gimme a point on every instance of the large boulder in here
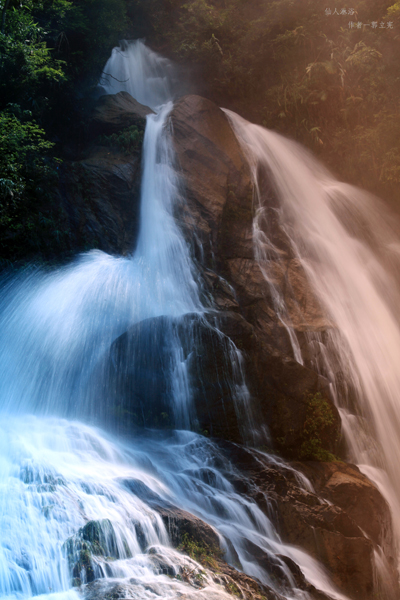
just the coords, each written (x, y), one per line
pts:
(344, 485)
(142, 365)
(287, 399)
(100, 191)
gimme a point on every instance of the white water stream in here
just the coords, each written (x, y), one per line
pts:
(76, 505)
(348, 244)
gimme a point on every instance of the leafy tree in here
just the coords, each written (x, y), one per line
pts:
(29, 224)
(51, 51)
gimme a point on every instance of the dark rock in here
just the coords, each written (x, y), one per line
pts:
(238, 583)
(300, 581)
(96, 538)
(281, 390)
(114, 112)
(141, 366)
(218, 211)
(178, 522)
(215, 179)
(100, 195)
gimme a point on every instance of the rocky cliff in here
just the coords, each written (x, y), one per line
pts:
(340, 518)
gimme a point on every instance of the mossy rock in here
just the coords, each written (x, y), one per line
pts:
(95, 539)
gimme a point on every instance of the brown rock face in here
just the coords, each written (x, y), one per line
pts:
(114, 112)
(347, 487)
(215, 179)
(329, 530)
(335, 524)
(217, 210)
(346, 521)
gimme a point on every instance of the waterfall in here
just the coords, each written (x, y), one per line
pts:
(81, 510)
(347, 243)
(145, 75)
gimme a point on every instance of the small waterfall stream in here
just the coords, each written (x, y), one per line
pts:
(78, 507)
(348, 245)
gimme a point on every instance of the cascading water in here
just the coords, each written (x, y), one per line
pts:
(80, 511)
(145, 75)
(347, 243)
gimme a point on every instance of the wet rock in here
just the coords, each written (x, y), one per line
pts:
(142, 363)
(218, 211)
(287, 398)
(319, 525)
(331, 537)
(95, 539)
(100, 192)
(344, 485)
(114, 112)
(186, 584)
(302, 419)
(179, 523)
(241, 585)
(100, 195)
(215, 178)
(218, 293)
(300, 581)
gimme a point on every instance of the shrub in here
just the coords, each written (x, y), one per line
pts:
(319, 419)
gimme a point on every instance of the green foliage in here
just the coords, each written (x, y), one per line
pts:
(28, 70)
(28, 175)
(128, 140)
(50, 51)
(23, 146)
(319, 419)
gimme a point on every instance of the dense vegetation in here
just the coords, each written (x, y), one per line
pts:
(332, 81)
(51, 55)
(323, 73)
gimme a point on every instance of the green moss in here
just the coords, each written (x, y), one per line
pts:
(202, 553)
(233, 589)
(319, 420)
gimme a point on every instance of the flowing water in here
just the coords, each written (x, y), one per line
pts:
(348, 245)
(80, 509)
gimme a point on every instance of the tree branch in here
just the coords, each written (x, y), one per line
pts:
(119, 80)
